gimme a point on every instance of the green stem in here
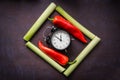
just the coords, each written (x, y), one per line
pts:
(51, 19)
(72, 62)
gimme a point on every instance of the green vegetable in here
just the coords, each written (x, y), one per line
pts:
(44, 56)
(39, 22)
(74, 22)
(81, 56)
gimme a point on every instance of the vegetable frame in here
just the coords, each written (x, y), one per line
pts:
(50, 9)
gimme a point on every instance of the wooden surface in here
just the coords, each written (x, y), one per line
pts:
(19, 63)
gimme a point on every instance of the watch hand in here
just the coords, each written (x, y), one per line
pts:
(58, 38)
(61, 37)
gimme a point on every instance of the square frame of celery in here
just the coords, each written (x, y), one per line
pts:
(50, 9)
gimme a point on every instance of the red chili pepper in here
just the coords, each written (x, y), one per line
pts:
(60, 22)
(57, 56)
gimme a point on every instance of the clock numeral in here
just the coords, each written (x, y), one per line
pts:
(54, 43)
(60, 47)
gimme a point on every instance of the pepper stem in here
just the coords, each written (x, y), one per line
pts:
(51, 19)
(72, 62)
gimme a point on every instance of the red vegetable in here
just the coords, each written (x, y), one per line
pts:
(57, 56)
(60, 22)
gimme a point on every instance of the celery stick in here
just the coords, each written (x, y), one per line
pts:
(74, 22)
(81, 56)
(39, 22)
(44, 56)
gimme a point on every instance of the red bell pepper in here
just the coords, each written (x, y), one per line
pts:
(57, 56)
(60, 22)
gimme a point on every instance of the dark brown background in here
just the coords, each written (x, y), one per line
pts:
(17, 62)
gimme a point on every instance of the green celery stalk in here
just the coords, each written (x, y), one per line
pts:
(44, 56)
(74, 22)
(39, 22)
(81, 56)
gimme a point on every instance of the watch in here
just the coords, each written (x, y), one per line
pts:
(60, 39)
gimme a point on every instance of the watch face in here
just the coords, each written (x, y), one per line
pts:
(60, 39)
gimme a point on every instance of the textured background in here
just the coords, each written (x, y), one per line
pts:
(17, 62)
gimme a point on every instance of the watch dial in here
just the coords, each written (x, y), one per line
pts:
(60, 40)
